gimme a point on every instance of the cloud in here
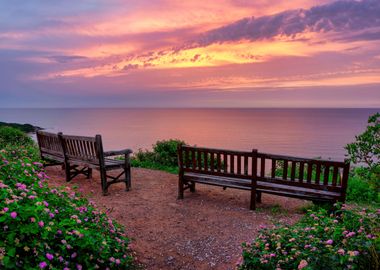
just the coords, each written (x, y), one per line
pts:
(62, 59)
(335, 17)
(130, 67)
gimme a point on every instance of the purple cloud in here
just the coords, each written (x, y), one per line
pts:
(338, 16)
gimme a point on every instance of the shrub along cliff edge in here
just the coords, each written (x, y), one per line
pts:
(51, 228)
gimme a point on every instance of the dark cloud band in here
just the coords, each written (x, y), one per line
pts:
(338, 17)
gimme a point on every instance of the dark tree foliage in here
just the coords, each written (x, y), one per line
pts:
(366, 148)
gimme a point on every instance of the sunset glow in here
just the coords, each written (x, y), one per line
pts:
(123, 53)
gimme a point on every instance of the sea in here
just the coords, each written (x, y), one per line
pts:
(308, 133)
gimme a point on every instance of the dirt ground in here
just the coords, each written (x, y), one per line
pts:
(203, 231)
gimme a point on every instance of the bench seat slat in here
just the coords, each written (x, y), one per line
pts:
(300, 184)
(261, 185)
(218, 180)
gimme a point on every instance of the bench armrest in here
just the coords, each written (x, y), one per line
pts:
(118, 153)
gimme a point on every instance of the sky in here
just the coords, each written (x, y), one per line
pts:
(169, 53)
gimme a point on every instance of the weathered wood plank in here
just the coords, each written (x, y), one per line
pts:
(335, 176)
(232, 163)
(212, 162)
(293, 171)
(326, 175)
(262, 166)
(318, 173)
(246, 168)
(309, 171)
(273, 168)
(301, 171)
(219, 162)
(238, 157)
(285, 171)
(225, 162)
(199, 157)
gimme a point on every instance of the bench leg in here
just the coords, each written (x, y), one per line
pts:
(89, 173)
(180, 188)
(192, 187)
(103, 177)
(128, 181)
(258, 196)
(253, 199)
(127, 173)
(67, 172)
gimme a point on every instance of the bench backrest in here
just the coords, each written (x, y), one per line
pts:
(236, 164)
(301, 172)
(82, 149)
(49, 145)
(309, 173)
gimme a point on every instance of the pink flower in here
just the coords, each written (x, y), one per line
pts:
(21, 186)
(5, 209)
(117, 261)
(42, 265)
(79, 267)
(329, 242)
(341, 251)
(302, 264)
(13, 215)
(41, 223)
(112, 259)
(49, 256)
(46, 204)
(73, 255)
(32, 219)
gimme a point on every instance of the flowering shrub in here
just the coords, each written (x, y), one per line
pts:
(346, 239)
(48, 228)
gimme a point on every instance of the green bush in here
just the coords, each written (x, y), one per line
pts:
(363, 186)
(166, 152)
(13, 136)
(345, 239)
(49, 228)
(163, 157)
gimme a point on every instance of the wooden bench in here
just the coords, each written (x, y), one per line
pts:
(216, 167)
(309, 179)
(80, 155)
(88, 153)
(50, 148)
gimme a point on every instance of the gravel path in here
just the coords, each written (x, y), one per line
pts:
(203, 231)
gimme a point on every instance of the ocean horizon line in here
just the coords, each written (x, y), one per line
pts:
(168, 107)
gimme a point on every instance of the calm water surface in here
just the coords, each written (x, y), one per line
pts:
(300, 132)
